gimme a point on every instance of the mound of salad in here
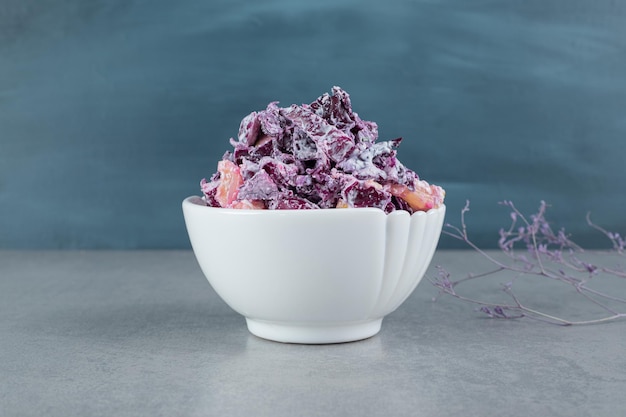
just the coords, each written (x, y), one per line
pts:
(315, 156)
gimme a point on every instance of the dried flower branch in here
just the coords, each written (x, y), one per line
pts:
(547, 254)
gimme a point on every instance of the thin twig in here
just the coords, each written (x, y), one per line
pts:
(545, 247)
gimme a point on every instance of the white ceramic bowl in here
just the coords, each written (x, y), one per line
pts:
(312, 276)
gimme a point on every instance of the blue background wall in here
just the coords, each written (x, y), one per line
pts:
(112, 111)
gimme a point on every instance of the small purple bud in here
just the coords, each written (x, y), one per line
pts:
(486, 310)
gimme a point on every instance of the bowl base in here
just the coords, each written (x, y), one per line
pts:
(314, 333)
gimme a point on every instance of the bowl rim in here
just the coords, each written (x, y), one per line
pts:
(198, 203)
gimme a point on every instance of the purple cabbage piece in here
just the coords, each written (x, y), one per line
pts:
(293, 203)
(259, 187)
(304, 148)
(362, 194)
(249, 129)
(271, 121)
(282, 174)
(209, 188)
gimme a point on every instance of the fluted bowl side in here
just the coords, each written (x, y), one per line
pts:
(312, 269)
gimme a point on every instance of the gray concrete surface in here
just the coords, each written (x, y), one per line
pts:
(143, 333)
